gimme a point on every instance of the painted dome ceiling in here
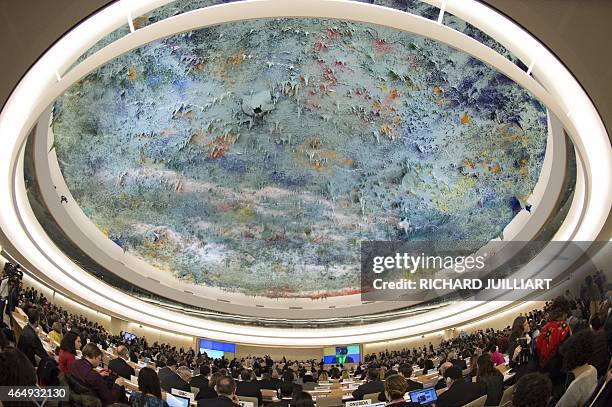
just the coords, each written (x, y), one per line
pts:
(256, 156)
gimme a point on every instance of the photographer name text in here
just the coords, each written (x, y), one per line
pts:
(463, 284)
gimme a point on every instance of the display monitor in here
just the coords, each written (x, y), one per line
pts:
(424, 397)
(176, 401)
(217, 350)
(128, 336)
(342, 354)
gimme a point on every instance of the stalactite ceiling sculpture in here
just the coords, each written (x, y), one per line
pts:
(256, 156)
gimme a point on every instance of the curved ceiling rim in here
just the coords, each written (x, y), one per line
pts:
(480, 318)
(89, 238)
(185, 290)
(24, 119)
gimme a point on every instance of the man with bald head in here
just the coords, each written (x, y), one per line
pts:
(119, 365)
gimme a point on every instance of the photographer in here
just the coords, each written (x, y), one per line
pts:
(522, 360)
(10, 287)
(4, 290)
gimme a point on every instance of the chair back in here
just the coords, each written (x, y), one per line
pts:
(507, 396)
(329, 401)
(268, 393)
(479, 402)
(249, 400)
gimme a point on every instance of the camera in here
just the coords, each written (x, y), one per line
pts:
(13, 273)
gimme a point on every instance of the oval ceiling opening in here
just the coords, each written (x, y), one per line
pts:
(255, 156)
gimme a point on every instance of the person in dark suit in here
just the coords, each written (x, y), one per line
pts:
(372, 385)
(441, 384)
(266, 382)
(458, 363)
(226, 389)
(201, 380)
(175, 379)
(29, 342)
(209, 391)
(248, 387)
(286, 394)
(166, 372)
(405, 370)
(119, 365)
(459, 391)
(289, 377)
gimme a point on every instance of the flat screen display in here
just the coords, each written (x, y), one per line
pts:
(217, 350)
(341, 354)
(423, 397)
(176, 401)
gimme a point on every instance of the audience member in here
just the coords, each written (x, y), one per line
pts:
(209, 391)
(149, 390)
(441, 384)
(457, 362)
(395, 388)
(84, 371)
(268, 382)
(171, 378)
(69, 345)
(551, 337)
(532, 390)
(491, 378)
(285, 394)
(226, 390)
(56, 332)
(601, 354)
(120, 366)
(459, 391)
(200, 381)
(302, 399)
(16, 369)
(521, 358)
(373, 384)
(29, 342)
(496, 357)
(576, 352)
(248, 387)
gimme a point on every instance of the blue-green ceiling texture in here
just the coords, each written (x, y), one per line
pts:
(256, 156)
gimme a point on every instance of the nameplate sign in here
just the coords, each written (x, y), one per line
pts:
(182, 393)
(246, 404)
(358, 403)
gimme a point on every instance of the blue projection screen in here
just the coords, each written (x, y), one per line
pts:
(217, 350)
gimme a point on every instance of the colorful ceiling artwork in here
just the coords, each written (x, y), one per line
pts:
(256, 156)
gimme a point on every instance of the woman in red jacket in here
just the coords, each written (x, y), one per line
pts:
(68, 347)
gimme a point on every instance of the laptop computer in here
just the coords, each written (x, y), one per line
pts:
(176, 401)
(424, 397)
